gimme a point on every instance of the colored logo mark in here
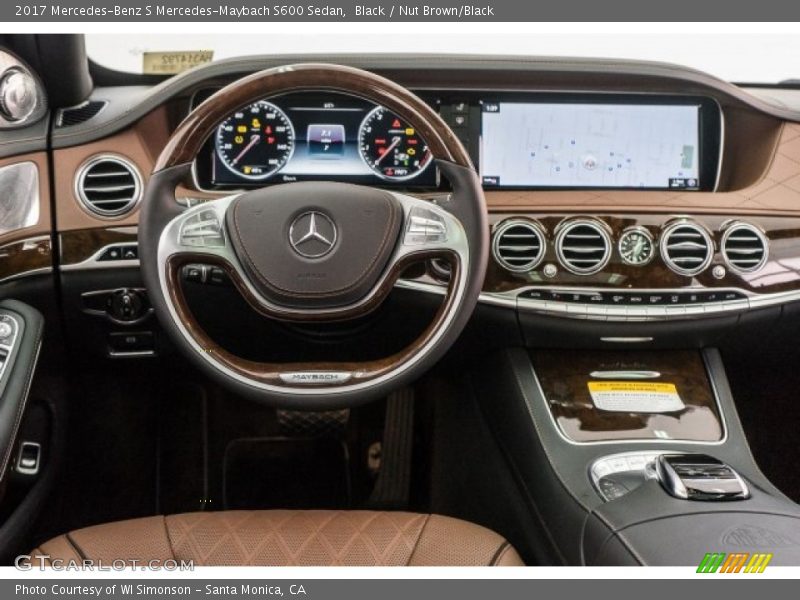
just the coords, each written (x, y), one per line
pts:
(737, 562)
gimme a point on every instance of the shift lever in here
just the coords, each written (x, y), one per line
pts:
(700, 477)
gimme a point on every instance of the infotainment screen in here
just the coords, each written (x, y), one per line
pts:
(591, 145)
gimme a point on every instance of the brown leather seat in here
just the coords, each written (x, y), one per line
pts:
(287, 538)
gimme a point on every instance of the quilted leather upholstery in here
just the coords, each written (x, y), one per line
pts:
(288, 538)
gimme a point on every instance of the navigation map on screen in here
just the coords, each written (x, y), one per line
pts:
(590, 145)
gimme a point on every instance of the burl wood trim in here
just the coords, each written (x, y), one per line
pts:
(188, 139)
(776, 192)
(140, 145)
(781, 273)
(25, 256)
(269, 373)
(44, 225)
(80, 245)
(564, 377)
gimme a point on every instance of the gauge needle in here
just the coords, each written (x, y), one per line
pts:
(254, 139)
(389, 149)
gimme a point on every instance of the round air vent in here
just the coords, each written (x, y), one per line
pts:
(518, 245)
(583, 246)
(109, 186)
(687, 247)
(744, 247)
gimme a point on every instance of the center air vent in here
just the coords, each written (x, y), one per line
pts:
(687, 248)
(583, 247)
(518, 245)
(744, 247)
(109, 186)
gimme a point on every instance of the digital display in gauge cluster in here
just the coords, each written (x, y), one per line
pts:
(314, 136)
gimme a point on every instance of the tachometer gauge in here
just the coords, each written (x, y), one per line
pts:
(636, 246)
(256, 141)
(391, 147)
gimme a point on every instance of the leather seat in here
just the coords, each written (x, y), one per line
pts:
(287, 538)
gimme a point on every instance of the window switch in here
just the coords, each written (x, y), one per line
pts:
(29, 458)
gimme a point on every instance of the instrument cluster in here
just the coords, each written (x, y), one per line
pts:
(315, 136)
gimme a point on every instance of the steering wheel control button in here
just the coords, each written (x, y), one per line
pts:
(424, 227)
(202, 230)
(313, 234)
(316, 377)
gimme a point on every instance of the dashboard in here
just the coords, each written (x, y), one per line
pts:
(698, 218)
(517, 141)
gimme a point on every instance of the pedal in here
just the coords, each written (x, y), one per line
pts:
(393, 486)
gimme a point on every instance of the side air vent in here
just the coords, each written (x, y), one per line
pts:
(744, 247)
(109, 186)
(76, 115)
(583, 247)
(687, 247)
(518, 245)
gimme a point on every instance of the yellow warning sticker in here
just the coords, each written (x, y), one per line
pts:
(635, 396)
(170, 63)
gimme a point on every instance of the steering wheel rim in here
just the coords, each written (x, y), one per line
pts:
(164, 248)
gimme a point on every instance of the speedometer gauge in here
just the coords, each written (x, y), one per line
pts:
(391, 147)
(256, 141)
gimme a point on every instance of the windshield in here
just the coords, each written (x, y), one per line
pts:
(741, 57)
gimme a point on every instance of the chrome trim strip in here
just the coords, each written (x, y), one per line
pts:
(31, 273)
(604, 312)
(721, 142)
(12, 337)
(94, 262)
(625, 374)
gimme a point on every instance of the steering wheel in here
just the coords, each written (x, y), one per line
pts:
(314, 251)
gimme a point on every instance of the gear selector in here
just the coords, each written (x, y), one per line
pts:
(700, 477)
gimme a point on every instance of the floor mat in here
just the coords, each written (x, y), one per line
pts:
(302, 473)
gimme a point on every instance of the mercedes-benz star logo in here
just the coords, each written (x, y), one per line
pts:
(312, 234)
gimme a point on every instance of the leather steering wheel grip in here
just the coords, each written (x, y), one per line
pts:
(161, 218)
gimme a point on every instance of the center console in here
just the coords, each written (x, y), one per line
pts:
(634, 457)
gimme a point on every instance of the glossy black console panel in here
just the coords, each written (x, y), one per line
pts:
(585, 527)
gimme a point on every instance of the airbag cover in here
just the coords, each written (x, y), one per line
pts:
(314, 245)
